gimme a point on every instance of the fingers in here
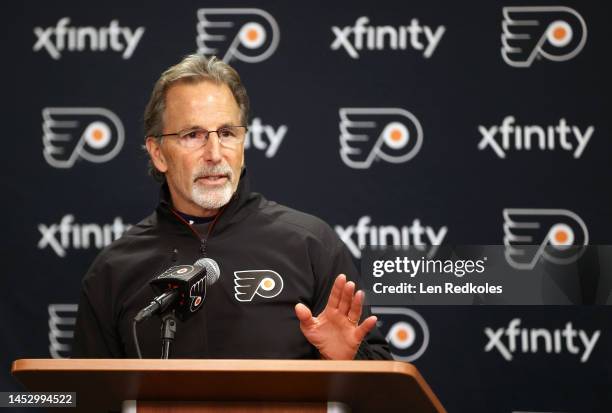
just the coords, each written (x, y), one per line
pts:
(365, 327)
(354, 313)
(347, 298)
(304, 314)
(336, 293)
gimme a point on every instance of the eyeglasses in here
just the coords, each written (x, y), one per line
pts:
(229, 137)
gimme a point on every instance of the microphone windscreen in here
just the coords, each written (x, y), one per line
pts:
(212, 269)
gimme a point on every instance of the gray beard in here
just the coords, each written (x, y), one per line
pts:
(212, 198)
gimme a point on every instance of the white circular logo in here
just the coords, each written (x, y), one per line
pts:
(267, 284)
(561, 236)
(396, 135)
(97, 135)
(252, 35)
(559, 33)
(401, 335)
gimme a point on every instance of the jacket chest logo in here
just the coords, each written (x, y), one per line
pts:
(264, 283)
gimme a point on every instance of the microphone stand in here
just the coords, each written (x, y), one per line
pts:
(168, 330)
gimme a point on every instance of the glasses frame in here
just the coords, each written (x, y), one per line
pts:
(208, 132)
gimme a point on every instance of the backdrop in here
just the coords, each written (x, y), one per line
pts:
(439, 121)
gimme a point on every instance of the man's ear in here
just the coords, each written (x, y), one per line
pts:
(155, 152)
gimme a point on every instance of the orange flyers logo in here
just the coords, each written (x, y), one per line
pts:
(93, 134)
(531, 234)
(264, 283)
(554, 33)
(405, 330)
(367, 134)
(248, 35)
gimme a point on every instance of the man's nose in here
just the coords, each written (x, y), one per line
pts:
(212, 149)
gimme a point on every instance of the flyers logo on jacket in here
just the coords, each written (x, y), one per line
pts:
(248, 35)
(263, 283)
(556, 235)
(405, 331)
(554, 33)
(93, 134)
(370, 134)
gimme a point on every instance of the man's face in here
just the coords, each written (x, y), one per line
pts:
(202, 180)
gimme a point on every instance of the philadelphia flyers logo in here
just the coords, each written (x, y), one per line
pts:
(93, 134)
(197, 292)
(405, 330)
(62, 321)
(248, 35)
(263, 283)
(368, 134)
(556, 235)
(554, 33)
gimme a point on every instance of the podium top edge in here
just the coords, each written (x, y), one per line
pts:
(213, 365)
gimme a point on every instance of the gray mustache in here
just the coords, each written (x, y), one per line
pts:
(215, 170)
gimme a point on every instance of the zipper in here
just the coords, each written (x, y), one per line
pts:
(203, 239)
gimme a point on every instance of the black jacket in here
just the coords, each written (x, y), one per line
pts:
(251, 233)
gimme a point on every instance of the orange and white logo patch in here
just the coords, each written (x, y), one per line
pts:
(264, 283)
(367, 134)
(248, 35)
(405, 330)
(93, 134)
(556, 235)
(554, 33)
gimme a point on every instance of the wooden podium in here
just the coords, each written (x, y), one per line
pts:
(187, 386)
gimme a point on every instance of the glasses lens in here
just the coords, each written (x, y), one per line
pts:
(231, 136)
(193, 138)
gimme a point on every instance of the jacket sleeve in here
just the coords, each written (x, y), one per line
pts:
(332, 260)
(95, 336)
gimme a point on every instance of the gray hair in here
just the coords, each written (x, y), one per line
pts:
(192, 69)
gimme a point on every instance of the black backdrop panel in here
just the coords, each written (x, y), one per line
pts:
(468, 118)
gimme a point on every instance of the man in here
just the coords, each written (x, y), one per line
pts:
(195, 124)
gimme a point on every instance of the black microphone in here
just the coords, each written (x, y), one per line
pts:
(181, 288)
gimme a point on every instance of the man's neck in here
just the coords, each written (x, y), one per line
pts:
(195, 220)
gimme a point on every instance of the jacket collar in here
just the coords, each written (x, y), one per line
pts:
(226, 215)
